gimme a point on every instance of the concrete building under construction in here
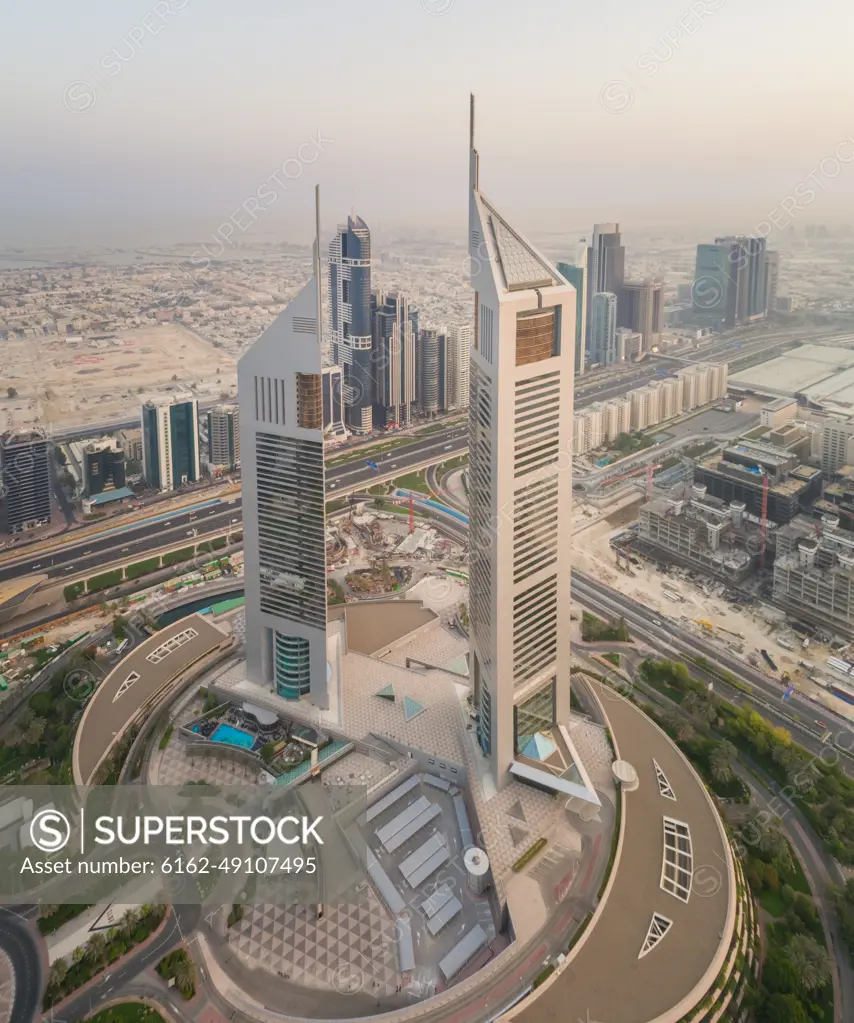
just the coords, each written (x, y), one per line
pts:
(740, 471)
(703, 532)
(814, 573)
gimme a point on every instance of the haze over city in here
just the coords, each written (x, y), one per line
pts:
(661, 114)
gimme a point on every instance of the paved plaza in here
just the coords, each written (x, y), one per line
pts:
(352, 945)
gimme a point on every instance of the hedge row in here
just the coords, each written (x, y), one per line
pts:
(176, 557)
(142, 568)
(104, 581)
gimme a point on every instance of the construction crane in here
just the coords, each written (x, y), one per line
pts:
(763, 523)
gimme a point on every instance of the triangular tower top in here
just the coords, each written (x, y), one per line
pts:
(522, 267)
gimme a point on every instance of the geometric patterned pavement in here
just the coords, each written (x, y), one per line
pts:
(354, 946)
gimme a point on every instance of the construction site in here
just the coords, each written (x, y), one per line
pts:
(382, 547)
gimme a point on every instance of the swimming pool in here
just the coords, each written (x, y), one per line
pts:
(233, 736)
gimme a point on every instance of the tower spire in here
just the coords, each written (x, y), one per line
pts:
(473, 158)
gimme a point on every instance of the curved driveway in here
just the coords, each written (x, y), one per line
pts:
(21, 946)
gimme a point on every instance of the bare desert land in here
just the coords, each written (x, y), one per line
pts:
(62, 383)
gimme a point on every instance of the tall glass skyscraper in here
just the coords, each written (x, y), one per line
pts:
(603, 329)
(350, 319)
(170, 442)
(394, 359)
(577, 275)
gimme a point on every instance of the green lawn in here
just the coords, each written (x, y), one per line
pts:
(127, 1012)
(772, 902)
(411, 481)
(614, 658)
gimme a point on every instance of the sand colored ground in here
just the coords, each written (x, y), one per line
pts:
(62, 385)
(760, 625)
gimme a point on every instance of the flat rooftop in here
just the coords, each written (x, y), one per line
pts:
(821, 372)
(606, 979)
(373, 625)
(133, 682)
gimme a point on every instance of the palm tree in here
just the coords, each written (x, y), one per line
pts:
(720, 761)
(96, 946)
(57, 975)
(810, 960)
(79, 954)
(185, 974)
(129, 922)
(700, 706)
(35, 730)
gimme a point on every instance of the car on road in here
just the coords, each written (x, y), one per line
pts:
(35, 567)
(168, 522)
(332, 486)
(656, 621)
(447, 447)
(125, 549)
(85, 553)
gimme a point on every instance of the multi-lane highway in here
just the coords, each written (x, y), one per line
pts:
(72, 561)
(796, 714)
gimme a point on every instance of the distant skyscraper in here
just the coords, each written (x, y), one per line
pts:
(772, 280)
(641, 308)
(170, 442)
(429, 362)
(350, 317)
(457, 358)
(103, 466)
(394, 360)
(25, 474)
(606, 259)
(224, 436)
(577, 275)
(603, 329)
(520, 444)
(606, 265)
(279, 382)
(729, 282)
(715, 287)
(333, 401)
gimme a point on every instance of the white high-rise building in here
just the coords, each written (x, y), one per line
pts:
(170, 442)
(284, 521)
(520, 445)
(588, 431)
(458, 355)
(646, 407)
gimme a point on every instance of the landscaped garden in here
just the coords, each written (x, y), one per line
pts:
(100, 951)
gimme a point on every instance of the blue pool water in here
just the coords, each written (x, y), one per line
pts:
(233, 736)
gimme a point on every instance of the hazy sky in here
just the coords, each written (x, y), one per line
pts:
(125, 120)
